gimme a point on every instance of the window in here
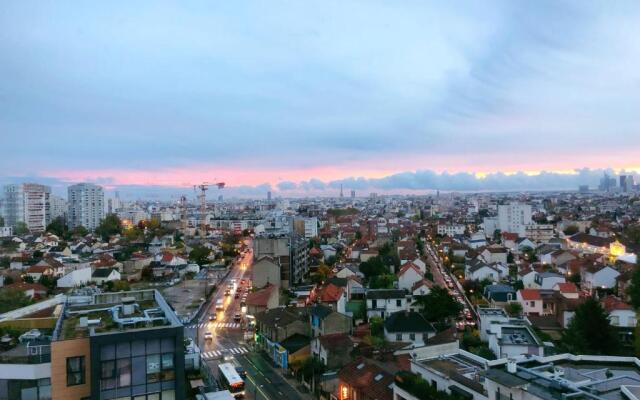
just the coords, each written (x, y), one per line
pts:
(412, 336)
(398, 336)
(153, 368)
(75, 371)
(398, 303)
(108, 375)
(124, 372)
(168, 372)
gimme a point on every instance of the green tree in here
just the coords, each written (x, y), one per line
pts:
(58, 227)
(11, 299)
(590, 331)
(376, 326)
(438, 305)
(633, 291)
(513, 309)
(20, 229)
(571, 230)
(373, 267)
(79, 231)
(199, 255)
(109, 226)
(384, 281)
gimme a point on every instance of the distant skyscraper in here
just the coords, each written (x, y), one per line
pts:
(626, 183)
(28, 203)
(341, 193)
(58, 207)
(353, 194)
(583, 188)
(86, 205)
(220, 198)
(269, 196)
(607, 183)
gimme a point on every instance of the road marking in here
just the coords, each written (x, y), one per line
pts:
(267, 379)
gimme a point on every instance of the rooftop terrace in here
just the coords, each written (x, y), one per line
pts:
(115, 312)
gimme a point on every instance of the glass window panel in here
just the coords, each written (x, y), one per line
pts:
(45, 392)
(137, 348)
(153, 346)
(108, 352)
(29, 393)
(108, 369)
(168, 395)
(124, 372)
(153, 387)
(139, 370)
(139, 389)
(153, 368)
(168, 385)
(153, 396)
(168, 345)
(123, 350)
(167, 361)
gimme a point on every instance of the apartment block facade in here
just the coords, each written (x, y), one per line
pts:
(86, 205)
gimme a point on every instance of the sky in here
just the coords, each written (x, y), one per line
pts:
(300, 97)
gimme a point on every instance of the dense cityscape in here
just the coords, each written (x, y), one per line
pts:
(450, 295)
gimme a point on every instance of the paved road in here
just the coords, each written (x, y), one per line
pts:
(262, 381)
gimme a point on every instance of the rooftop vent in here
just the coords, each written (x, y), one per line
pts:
(360, 366)
(378, 377)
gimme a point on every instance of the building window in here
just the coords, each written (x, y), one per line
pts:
(108, 375)
(398, 336)
(75, 371)
(412, 336)
(153, 368)
(398, 303)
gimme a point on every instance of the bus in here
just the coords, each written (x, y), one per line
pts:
(219, 305)
(230, 379)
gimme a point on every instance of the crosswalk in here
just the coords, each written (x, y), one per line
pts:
(210, 355)
(229, 325)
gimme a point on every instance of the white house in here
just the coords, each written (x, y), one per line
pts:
(479, 270)
(408, 327)
(547, 280)
(102, 275)
(621, 314)
(531, 301)
(477, 240)
(421, 288)
(450, 229)
(384, 302)
(528, 277)
(408, 275)
(493, 254)
(598, 276)
(76, 277)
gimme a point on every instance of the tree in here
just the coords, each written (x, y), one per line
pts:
(20, 229)
(323, 272)
(373, 267)
(376, 326)
(79, 231)
(438, 305)
(199, 255)
(58, 227)
(11, 299)
(590, 331)
(109, 226)
(571, 230)
(384, 281)
(633, 291)
(513, 309)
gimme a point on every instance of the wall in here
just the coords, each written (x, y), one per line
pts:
(60, 350)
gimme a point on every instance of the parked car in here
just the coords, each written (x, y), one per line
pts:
(208, 336)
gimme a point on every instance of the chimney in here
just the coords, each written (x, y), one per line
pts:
(512, 366)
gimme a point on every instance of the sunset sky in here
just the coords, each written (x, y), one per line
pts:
(299, 97)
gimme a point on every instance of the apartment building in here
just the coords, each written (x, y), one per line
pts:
(27, 203)
(58, 207)
(86, 205)
(514, 218)
(289, 251)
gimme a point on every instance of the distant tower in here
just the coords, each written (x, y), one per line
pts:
(341, 193)
(269, 196)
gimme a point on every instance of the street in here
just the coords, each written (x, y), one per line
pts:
(227, 341)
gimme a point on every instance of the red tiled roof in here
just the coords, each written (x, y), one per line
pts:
(408, 265)
(330, 293)
(530, 294)
(567, 287)
(260, 297)
(425, 282)
(611, 303)
(361, 375)
(38, 269)
(509, 236)
(24, 286)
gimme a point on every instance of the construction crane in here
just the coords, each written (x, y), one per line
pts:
(202, 198)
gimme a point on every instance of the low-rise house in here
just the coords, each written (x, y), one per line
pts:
(265, 271)
(598, 276)
(384, 302)
(568, 290)
(325, 321)
(494, 254)
(531, 301)
(499, 294)
(586, 243)
(275, 326)
(421, 288)
(263, 299)
(75, 277)
(621, 314)
(546, 280)
(31, 290)
(408, 275)
(528, 277)
(332, 350)
(333, 296)
(102, 275)
(408, 327)
(513, 338)
(363, 380)
(479, 270)
(38, 271)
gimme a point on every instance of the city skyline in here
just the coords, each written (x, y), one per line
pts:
(417, 98)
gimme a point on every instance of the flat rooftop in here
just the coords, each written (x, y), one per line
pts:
(459, 368)
(108, 313)
(517, 336)
(555, 377)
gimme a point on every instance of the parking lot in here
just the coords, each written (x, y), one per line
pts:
(186, 296)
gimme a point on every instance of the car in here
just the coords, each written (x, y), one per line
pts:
(241, 372)
(237, 317)
(213, 317)
(237, 296)
(208, 336)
